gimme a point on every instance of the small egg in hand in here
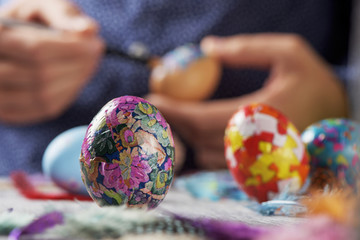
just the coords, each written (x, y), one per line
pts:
(264, 152)
(127, 157)
(61, 160)
(185, 73)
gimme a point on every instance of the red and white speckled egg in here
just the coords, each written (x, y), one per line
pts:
(264, 152)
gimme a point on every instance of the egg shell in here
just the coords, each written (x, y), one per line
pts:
(264, 152)
(185, 73)
(334, 144)
(127, 157)
(60, 161)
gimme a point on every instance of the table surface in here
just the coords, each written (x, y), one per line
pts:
(178, 201)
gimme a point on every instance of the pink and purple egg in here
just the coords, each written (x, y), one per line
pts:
(127, 156)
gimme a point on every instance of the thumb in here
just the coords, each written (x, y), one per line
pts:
(68, 17)
(254, 50)
(58, 14)
(173, 110)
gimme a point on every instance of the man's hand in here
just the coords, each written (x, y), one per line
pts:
(300, 85)
(43, 71)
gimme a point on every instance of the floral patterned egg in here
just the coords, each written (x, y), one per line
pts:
(334, 145)
(264, 152)
(127, 157)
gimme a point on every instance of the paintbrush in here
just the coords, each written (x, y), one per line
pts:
(183, 73)
(137, 51)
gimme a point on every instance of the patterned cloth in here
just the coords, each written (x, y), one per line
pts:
(163, 25)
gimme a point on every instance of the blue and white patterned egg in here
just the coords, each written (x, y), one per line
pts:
(334, 145)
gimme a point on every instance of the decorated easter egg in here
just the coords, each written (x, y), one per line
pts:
(127, 157)
(334, 145)
(60, 161)
(264, 152)
(185, 73)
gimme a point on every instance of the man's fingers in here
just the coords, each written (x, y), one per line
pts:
(210, 159)
(41, 45)
(16, 99)
(14, 76)
(172, 109)
(61, 83)
(257, 50)
(66, 16)
(24, 116)
(57, 14)
(51, 95)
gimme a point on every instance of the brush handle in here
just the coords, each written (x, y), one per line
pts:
(13, 23)
(125, 55)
